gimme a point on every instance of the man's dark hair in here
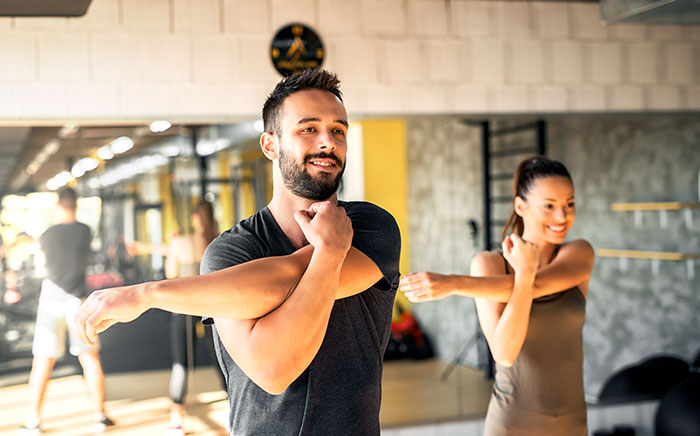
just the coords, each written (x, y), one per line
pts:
(67, 198)
(307, 79)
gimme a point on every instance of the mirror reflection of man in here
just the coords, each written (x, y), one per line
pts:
(300, 293)
(66, 247)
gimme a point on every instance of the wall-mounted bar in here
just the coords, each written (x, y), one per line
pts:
(641, 254)
(664, 205)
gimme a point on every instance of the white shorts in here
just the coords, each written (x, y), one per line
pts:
(56, 310)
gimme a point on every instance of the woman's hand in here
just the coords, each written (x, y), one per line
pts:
(522, 255)
(426, 286)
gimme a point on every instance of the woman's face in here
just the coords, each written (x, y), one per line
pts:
(549, 211)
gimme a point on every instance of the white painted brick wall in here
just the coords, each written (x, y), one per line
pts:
(6, 23)
(550, 99)
(525, 62)
(116, 57)
(473, 18)
(605, 62)
(93, 101)
(402, 61)
(445, 60)
(384, 17)
(627, 98)
(552, 20)
(215, 59)
(567, 65)
(642, 63)
(247, 17)
(189, 100)
(586, 23)
(383, 99)
(514, 20)
(244, 100)
(394, 57)
(293, 11)
(512, 99)
(19, 57)
(151, 100)
(198, 16)
(667, 33)
(431, 99)
(679, 64)
(102, 15)
(487, 62)
(693, 98)
(587, 98)
(355, 60)
(167, 58)
(44, 100)
(64, 57)
(629, 32)
(664, 98)
(42, 23)
(427, 18)
(340, 17)
(472, 99)
(8, 101)
(146, 16)
(254, 61)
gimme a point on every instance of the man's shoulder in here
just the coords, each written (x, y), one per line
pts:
(239, 244)
(364, 210)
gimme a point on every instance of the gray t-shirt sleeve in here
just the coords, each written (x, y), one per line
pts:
(228, 249)
(377, 236)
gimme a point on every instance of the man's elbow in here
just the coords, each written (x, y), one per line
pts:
(504, 358)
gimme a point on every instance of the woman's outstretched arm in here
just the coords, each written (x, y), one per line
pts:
(571, 267)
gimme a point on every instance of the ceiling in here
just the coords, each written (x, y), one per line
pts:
(19, 146)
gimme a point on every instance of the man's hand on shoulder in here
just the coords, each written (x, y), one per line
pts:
(326, 227)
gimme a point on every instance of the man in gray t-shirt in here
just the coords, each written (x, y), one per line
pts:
(300, 293)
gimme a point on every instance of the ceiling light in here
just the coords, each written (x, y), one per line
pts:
(121, 145)
(160, 126)
(32, 168)
(68, 130)
(59, 180)
(52, 147)
(83, 165)
(105, 153)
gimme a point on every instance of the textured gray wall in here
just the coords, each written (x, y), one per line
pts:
(633, 311)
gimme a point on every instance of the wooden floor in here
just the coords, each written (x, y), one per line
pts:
(139, 404)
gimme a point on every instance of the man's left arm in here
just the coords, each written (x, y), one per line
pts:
(373, 259)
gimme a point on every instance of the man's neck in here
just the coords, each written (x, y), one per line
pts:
(65, 216)
(283, 206)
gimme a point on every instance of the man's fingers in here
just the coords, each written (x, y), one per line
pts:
(91, 326)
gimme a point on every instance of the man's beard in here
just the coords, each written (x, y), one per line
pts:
(303, 184)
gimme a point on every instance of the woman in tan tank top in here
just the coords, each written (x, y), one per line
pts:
(534, 330)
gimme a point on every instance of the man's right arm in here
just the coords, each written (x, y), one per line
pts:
(247, 290)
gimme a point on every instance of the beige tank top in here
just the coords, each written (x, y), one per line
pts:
(542, 393)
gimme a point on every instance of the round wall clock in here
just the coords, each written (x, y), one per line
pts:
(294, 48)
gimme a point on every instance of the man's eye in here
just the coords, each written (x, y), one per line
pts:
(339, 132)
(548, 206)
(308, 129)
(572, 204)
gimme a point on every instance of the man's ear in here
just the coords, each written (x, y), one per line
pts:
(269, 145)
(520, 206)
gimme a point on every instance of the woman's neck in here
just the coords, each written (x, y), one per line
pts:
(546, 249)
